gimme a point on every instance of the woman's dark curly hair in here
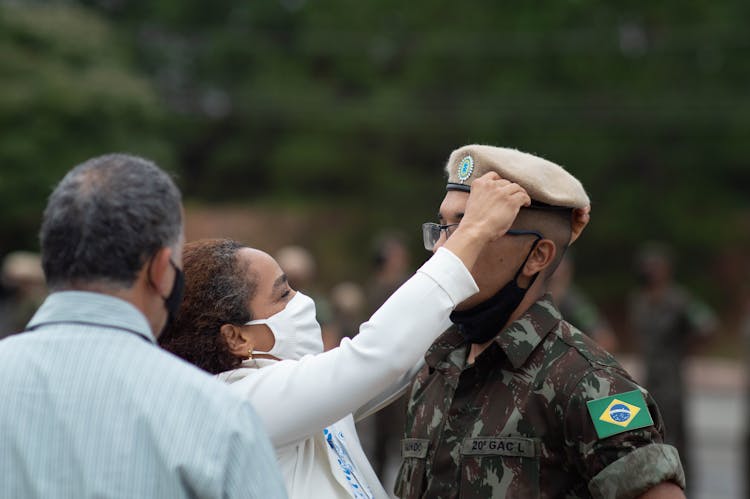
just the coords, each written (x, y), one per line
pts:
(217, 292)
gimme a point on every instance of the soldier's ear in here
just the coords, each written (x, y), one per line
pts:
(579, 221)
(541, 257)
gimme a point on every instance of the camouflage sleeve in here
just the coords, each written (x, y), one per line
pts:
(624, 464)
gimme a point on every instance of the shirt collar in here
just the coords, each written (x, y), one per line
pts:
(517, 341)
(96, 309)
(256, 363)
(247, 367)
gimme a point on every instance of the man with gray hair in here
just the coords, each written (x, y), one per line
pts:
(92, 407)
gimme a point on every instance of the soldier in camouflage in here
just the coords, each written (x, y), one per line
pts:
(668, 321)
(514, 401)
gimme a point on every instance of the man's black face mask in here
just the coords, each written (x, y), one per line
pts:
(172, 302)
(482, 322)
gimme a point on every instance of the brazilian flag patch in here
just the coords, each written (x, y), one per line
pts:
(619, 413)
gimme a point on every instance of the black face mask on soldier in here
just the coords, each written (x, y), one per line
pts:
(481, 323)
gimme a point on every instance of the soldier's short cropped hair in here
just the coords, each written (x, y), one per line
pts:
(105, 219)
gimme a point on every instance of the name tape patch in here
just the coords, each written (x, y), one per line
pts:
(500, 446)
(414, 447)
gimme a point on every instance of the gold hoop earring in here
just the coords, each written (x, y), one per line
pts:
(250, 354)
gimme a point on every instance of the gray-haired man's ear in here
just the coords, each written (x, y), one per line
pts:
(159, 270)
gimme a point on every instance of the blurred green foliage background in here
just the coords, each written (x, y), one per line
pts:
(348, 110)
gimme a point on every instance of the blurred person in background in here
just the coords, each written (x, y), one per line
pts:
(667, 321)
(92, 407)
(745, 335)
(300, 268)
(23, 280)
(350, 309)
(391, 267)
(348, 303)
(514, 401)
(242, 320)
(383, 430)
(577, 308)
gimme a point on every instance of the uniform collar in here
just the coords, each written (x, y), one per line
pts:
(517, 341)
(523, 335)
(96, 309)
(445, 344)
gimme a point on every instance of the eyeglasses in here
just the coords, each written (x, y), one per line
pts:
(431, 233)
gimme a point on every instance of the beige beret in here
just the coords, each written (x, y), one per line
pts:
(545, 181)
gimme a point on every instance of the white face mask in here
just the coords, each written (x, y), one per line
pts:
(295, 329)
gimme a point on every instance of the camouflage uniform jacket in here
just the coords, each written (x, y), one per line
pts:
(515, 423)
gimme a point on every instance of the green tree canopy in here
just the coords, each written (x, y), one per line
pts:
(358, 105)
(68, 91)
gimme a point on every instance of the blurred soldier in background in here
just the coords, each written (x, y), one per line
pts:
(745, 335)
(667, 321)
(577, 308)
(23, 278)
(348, 303)
(391, 267)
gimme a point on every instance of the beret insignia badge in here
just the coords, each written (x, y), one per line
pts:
(465, 168)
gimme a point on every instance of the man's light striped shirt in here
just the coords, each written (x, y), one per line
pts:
(92, 407)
